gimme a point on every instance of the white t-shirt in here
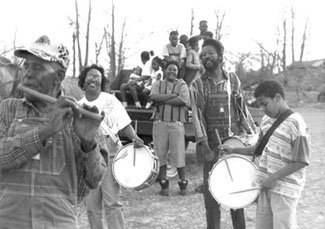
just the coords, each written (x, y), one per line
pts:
(116, 118)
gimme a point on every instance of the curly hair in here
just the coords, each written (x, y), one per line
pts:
(269, 88)
(83, 74)
(216, 44)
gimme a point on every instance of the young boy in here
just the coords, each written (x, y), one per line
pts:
(281, 167)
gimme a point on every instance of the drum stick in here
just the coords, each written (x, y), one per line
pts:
(134, 155)
(226, 161)
(245, 190)
(121, 157)
(50, 99)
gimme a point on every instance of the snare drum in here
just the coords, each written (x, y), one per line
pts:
(135, 168)
(243, 173)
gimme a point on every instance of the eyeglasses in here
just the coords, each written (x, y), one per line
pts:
(93, 76)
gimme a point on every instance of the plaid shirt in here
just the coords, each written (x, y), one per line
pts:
(18, 149)
(200, 88)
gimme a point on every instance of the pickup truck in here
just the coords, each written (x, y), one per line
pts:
(141, 118)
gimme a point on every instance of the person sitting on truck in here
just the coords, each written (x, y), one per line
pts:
(156, 74)
(134, 85)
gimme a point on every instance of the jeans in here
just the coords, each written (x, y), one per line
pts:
(213, 207)
(105, 197)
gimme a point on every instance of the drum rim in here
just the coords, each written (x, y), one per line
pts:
(213, 195)
(151, 177)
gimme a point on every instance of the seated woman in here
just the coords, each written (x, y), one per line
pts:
(134, 85)
(156, 74)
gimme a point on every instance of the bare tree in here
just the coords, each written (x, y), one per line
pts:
(87, 35)
(292, 34)
(78, 35)
(72, 24)
(304, 38)
(73, 54)
(284, 48)
(192, 22)
(98, 46)
(269, 59)
(112, 53)
(121, 58)
(220, 19)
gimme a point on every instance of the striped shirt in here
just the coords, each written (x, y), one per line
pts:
(166, 111)
(288, 143)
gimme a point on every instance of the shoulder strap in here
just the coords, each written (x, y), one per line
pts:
(268, 134)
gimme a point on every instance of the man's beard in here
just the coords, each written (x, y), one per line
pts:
(211, 65)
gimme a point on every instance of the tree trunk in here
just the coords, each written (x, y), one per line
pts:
(98, 47)
(121, 58)
(87, 35)
(292, 34)
(304, 38)
(78, 36)
(284, 56)
(192, 22)
(220, 20)
(74, 54)
(112, 45)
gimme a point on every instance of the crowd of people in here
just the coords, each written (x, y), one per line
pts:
(55, 153)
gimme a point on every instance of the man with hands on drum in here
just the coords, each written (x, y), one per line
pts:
(281, 166)
(216, 105)
(46, 150)
(92, 80)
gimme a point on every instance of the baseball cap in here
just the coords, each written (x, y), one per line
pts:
(45, 50)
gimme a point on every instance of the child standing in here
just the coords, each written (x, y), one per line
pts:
(281, 167)
(193, 63)
(134, 85)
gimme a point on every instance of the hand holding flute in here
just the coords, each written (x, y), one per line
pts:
(86, 120)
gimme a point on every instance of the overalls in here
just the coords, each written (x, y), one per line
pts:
(219, 114)
(42, 192)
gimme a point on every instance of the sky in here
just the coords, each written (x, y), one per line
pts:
(148, 23)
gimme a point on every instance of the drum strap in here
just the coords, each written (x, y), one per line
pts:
(260, 147)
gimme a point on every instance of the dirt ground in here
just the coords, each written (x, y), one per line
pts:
(146, 209)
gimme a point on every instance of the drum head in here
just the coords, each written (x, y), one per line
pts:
(243, 173)
(128, 174)
(234, 142)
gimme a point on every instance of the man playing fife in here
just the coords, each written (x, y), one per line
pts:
(47, 150)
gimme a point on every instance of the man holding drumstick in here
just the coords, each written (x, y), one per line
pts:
(217, 104)
(46, 150)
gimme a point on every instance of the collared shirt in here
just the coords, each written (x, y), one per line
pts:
(18, 149)
(288, 143)
(200, 88)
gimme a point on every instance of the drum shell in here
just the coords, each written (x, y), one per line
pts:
(132, 177)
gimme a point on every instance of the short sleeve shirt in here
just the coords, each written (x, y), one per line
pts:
(116, 117)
